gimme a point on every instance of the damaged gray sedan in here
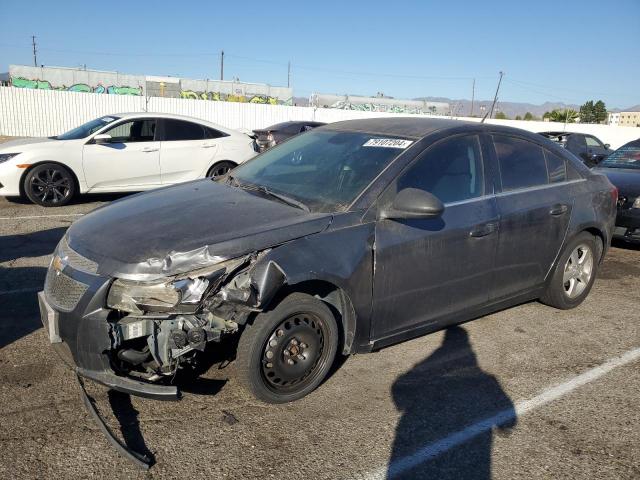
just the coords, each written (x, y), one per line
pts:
(342, 240)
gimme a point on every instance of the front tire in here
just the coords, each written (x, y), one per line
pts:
(49, 185)
(574, 273)
(287, 352)
(220, 169)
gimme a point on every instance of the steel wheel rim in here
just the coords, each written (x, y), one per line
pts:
(578, 271)
(294, 353)
(220, 171)
(50, 185)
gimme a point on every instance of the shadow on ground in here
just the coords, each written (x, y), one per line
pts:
(32, 244)
(440, 397)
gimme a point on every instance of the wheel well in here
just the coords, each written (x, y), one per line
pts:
(335, 298)
(31, 167)
(218, 162)
(598, 234)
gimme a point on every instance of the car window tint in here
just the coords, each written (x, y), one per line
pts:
(175, 130)
(555, 167)
(593, 142)
(142, 130)
(522, 163)
(451, 170)
(213, 133)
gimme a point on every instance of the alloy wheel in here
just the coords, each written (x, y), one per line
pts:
(50, 185)
(578, 271)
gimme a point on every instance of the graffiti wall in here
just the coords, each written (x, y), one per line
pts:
(224, 97)
(21, 82)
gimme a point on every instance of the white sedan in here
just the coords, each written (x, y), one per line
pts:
(119, 153)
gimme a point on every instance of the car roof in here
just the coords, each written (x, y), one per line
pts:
(419, 127)
(174, 117)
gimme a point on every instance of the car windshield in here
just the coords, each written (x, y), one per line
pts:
(86, 129)
(323, 170)
(627, 156)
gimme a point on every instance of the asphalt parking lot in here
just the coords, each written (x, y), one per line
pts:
(476, 401)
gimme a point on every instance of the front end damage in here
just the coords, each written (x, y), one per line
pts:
(135, 335)
(161, 327)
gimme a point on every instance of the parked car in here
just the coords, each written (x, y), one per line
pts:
(590, 149)
(119, 153)
(352, 237)
(278, 133)
(623, 169)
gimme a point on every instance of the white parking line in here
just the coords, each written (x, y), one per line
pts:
(44, 216)
(432, 450)
(20, 290)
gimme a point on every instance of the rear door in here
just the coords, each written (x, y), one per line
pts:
(188, 150)
(596, 150)
(131, 161)
(426, 269)
(535, 207)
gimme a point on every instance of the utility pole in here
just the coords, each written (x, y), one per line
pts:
(222, 65)
(473, 94)
(495, 99)
(35, 58)
(289, 74)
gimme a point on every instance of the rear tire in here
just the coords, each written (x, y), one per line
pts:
(574, 273)
(287, 352)
(49, 185)
(221, 168)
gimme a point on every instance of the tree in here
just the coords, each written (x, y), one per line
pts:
(599, 112)
(546, 115)
(587, 112)
(568, 115)
(529, 116)
(518, 117)
(501, 116)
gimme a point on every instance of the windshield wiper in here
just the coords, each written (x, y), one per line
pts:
(261, 188)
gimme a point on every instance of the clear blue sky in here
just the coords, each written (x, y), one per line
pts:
(567, 51)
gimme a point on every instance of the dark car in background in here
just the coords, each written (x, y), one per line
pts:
(623, 169)
(590, 149)
(346, 239)
(268, 137)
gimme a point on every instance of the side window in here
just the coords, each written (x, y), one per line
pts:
(142, 130)
(175, 130)
(556, 167)
(593, 142)
(451, 170)
(213, 133)
(522, 163)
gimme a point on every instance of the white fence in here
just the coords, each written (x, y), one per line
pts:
(39, 113)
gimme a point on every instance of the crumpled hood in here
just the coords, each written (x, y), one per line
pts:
(627, 180)
(184, 227)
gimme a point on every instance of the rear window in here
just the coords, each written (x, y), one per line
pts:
(522, 163)
(175, 130)
(556, 167)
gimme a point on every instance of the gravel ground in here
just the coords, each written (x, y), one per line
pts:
(374, 409)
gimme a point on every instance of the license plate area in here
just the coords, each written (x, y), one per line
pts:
(49, 318)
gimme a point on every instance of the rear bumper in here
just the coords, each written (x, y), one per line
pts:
(627, 225)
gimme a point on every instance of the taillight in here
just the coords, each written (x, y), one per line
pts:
(614, 194)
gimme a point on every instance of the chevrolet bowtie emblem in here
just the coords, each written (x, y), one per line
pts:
(57, 264)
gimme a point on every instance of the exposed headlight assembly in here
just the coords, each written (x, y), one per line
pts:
(7, 156)
(636, 203)
(164, 295)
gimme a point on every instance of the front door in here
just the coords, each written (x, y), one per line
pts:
(129, 162)
(428, 268)
(535, 208)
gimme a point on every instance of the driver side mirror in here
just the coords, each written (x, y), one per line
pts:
(413, 203)
(607, 145)
(102, 138)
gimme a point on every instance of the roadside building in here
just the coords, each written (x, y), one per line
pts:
(624, 119)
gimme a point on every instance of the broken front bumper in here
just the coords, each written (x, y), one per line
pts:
(73, 314)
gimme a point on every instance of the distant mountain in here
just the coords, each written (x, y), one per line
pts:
(635, 108)
(510, 109)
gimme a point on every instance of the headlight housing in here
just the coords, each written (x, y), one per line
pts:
(636, 203)
(167, 295)
(7, 156)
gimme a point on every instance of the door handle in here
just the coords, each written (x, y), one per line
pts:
(484, 229)
(150, 149)
(559, 209)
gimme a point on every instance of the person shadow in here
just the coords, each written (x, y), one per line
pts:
(450, 409)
